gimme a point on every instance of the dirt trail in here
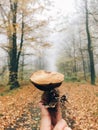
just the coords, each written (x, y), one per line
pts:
(19, 109)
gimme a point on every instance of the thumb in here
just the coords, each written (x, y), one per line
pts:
(60, 125)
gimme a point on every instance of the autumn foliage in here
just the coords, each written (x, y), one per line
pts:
(19, 108)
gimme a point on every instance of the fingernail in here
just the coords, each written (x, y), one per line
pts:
(67, 128)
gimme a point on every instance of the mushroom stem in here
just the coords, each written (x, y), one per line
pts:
(50, 98)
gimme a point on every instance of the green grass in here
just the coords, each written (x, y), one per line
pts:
(7, 91)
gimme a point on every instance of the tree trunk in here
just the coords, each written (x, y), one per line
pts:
(13, 62)
(22, 67)
(83, 62)
(14, 54)
(74, 56)
(90, 49)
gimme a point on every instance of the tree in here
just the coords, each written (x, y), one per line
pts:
(82, 56)
(13, 52)
(18, 20)
(74, 56)
(90, 48)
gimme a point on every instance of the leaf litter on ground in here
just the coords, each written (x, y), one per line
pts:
(19, 110)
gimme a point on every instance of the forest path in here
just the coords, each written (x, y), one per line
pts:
(19, 108)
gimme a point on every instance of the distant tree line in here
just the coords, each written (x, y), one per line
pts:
(79, 53)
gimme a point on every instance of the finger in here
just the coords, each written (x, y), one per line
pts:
(44, 111)
(67, 128)
(60, 125)
(45, 123)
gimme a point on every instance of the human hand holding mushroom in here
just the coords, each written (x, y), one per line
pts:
(50, 108)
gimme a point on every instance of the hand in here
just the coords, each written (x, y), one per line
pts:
(51, 120)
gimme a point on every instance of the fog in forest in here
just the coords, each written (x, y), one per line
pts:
(54, 15)
(53, 35)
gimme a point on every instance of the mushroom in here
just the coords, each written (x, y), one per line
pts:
(45, 80)
(48, 82)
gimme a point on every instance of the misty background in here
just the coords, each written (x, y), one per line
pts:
(54, 37)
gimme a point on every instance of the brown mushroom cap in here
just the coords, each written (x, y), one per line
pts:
(44, 80)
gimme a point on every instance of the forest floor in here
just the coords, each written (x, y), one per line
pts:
(19, 108)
